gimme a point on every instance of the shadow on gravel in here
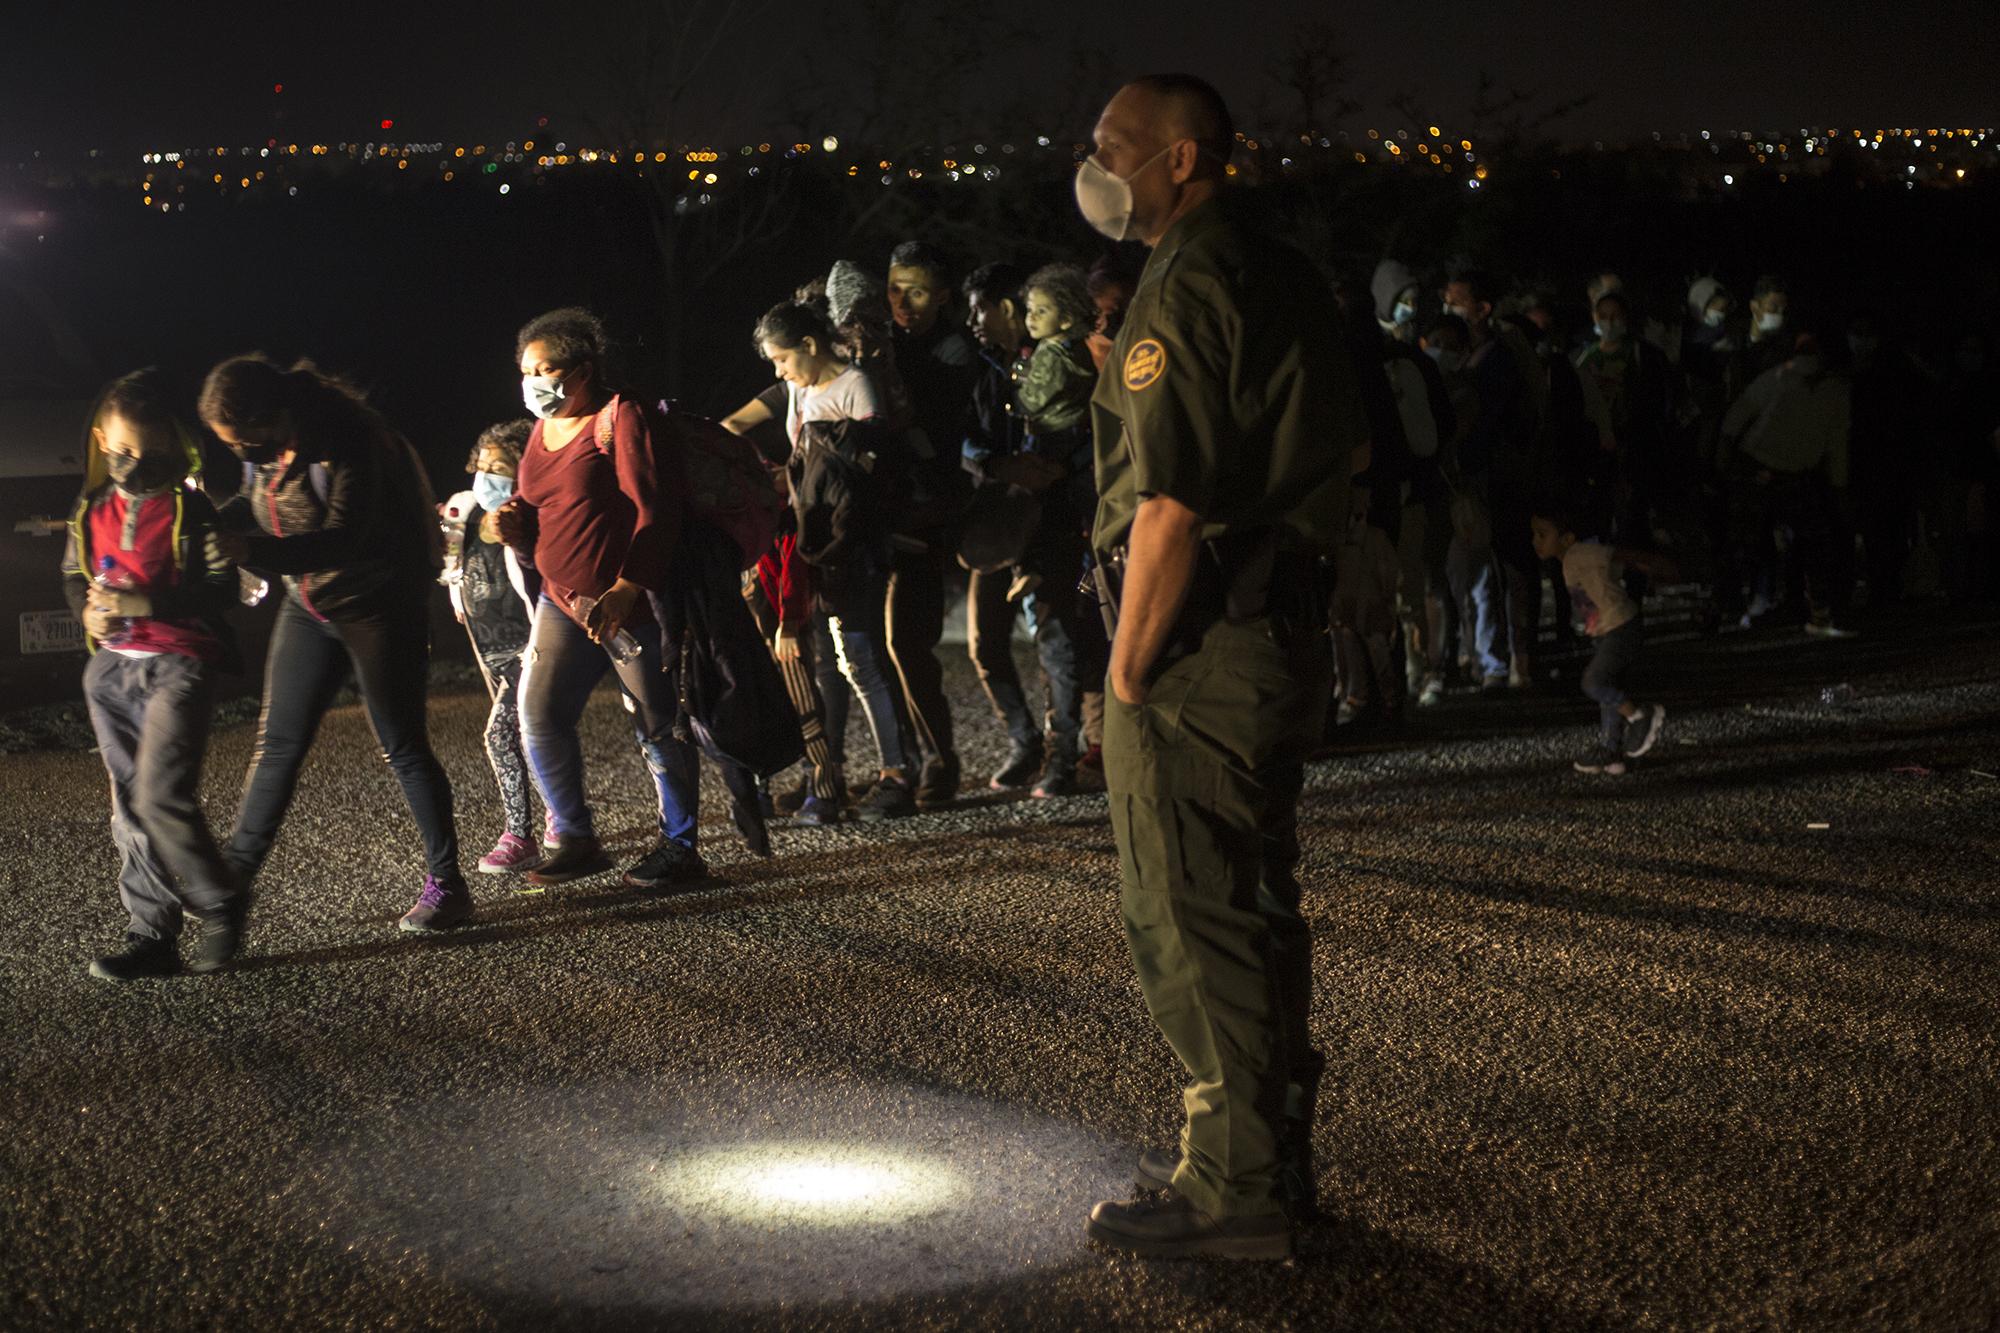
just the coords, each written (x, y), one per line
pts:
(602, 902)
(1428, 875)
(1346, 1275)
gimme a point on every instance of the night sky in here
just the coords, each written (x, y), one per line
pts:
(78, 76)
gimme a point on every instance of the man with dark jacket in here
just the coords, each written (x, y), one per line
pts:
(992, 452)
(938, 366)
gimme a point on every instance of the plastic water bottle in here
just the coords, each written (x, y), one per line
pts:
(622, 646)
(113, 579)
(452, 517)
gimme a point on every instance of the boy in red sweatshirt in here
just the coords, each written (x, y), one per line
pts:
(139, 572)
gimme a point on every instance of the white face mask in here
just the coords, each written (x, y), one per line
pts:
(1770, 321)
(1713, 318)
(1105, 200)
(1404, 313)
(1611, 331)
(543, 395)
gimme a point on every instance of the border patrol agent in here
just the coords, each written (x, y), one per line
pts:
(1224, 424)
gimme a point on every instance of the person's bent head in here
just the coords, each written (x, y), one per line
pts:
(562, 356)
(260, 409)
(1448, 343)
(995, 305)
(146, 449)
(1059, 303)
(919, 286)
(799, 342)
(1163, 145)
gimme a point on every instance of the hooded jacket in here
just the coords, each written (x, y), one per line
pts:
(1392, 278)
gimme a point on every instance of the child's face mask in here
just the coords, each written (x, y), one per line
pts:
(491, 489)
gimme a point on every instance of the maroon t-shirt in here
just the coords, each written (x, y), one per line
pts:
(606, 506)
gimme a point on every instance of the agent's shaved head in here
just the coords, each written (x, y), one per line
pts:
(1186, 107)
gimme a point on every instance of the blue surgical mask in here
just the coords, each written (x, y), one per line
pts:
(491, 489)
(1404, 313)
(543, 394)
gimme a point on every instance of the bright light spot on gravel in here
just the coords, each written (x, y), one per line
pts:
(811, 1184)
(718, 1195)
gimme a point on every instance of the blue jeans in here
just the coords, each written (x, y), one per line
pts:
(856, 646)
(559, 670)
(1604, 678)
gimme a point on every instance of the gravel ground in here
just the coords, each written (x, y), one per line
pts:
(1651, 1052)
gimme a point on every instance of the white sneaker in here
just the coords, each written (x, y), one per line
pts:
(1828, 630)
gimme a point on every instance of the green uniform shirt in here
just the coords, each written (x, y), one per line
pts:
(1229, 389)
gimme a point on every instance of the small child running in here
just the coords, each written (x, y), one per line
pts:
(1611, 618)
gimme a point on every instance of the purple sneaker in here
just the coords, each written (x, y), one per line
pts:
(444, 903)
(510, 855)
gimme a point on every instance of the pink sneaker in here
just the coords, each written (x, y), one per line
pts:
(550, 838)
(509, 855)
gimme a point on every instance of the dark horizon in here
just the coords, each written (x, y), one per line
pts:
(82, 80)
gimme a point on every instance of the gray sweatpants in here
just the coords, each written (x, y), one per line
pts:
(152, 717)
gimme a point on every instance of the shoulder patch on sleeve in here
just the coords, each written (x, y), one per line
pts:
(1144, 364)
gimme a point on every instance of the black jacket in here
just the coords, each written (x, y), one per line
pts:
(368, 532)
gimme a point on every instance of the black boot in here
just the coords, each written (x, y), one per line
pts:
(749, 820)
(937, 786)
(1024, 760)
(1059, 773)
(142, 956)
(221, 935)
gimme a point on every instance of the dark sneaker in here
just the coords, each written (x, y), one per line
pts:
(1058, 779)
(938, 785)
(789, 802)
(667, 866)
(749, 821)
(1024, 762)
(1642, 733)
(891, 799)
(573, 858)
(1169, 1227)
(444, 903)
(142, 956)
(819, 812)
(1156, 1169)
(221, 936)
(1601, 759)
(1493, 684)
(1092, 761)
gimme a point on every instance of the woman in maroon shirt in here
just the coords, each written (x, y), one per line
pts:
(597, 513)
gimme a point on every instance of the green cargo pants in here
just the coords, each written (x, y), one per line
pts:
(1204, 783)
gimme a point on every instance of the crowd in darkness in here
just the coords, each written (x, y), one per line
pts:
(930, 426)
